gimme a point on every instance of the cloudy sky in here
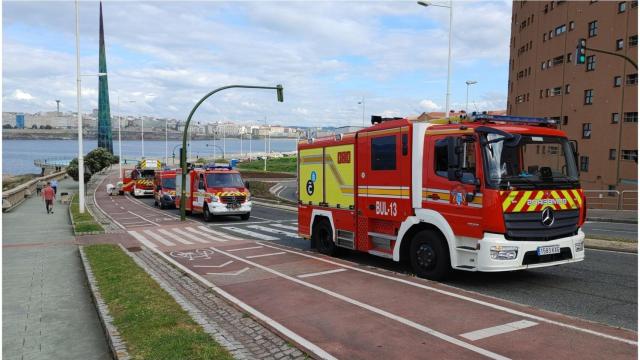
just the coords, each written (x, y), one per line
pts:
(162, 56)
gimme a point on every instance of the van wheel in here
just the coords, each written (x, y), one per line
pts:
(162, 205)
(245, 216)
(323, 238)
(206, 214)
(430, 255)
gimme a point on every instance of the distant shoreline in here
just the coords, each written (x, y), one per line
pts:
(72, 134)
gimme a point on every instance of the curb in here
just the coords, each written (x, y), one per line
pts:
(611, 220)
(73, 225)
(264, 202)
(117, 346)
(617, 246)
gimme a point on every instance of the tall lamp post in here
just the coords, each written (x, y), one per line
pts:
(183, 191)
(450, 7)
(469, 82)
(120, 136)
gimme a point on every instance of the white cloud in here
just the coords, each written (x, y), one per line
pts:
(22, 96)
(428, 105)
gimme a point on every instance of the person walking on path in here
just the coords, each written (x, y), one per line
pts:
(39, 186)
(54, 185)
(48, 194)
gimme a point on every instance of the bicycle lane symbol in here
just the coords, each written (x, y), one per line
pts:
(198, 254)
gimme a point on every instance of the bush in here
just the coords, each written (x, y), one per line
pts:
(94, 161)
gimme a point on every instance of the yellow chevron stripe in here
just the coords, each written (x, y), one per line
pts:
(558, 197)
(523, 201)
(505, 204)
(537, 197)
(572, 205)
(576, 193)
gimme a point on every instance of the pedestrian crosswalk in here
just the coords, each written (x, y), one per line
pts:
(208, 235)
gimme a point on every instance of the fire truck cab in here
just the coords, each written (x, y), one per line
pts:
(165, 189)
(214, 190)
(491, 193)
(139, 181)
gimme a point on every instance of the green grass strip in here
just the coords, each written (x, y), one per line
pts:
(283, 164)
(149, 320)
(83, 222)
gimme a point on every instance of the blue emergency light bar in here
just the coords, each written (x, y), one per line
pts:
(219, 167)
(524, 120)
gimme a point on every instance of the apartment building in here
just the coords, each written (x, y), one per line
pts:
(596, 103)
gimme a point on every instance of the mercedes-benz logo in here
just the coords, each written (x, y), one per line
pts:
(547, 217)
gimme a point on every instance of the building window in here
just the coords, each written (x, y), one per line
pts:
(593, 28)
(632, 79)
(546, 8)
(548, 91)
(541, 93)
(617, 81)
(543, 65)
(565, 120)
(612, 154)
(591, 63)
(588, 97)
(622, 6)
(567, 89)
(586, 130)
(569, 57)
(633, 40)
(584, 163)
(544, 37)
(558, 60)
(560, 29)
(619, 44)
(631, 117)
(630, 155)
(557, 91)
(634, 3)
(383, 153)
(615, 118)
(572, 25)
(550, 34)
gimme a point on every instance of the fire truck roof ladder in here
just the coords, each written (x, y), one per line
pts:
(522, 120)
(377, 119)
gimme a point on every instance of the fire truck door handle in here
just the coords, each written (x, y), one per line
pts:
(372, 207)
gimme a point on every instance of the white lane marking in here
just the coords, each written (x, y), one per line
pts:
(321, 273)
(99, 208)
(150, 208)
(372, 309)
(137, 225)
(159, 238)
(142, 239)
(211, 234)
(214, 266)
(612, 230)
(497, 330)
(175, 237)
(273, 231)
(143, 218)
(261, 218)
(122, 207)
(462, 297)
(232, 273)
(190, 236)
(202, 234)
(282, 226)
(263, 255)
(613, 251)
(306, 344)
(250, 233)
(247, 248)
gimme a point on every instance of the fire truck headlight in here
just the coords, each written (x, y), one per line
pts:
(580, 246)
(504, 252)
(213, 198)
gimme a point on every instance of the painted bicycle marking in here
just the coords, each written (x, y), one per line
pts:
(192, 255)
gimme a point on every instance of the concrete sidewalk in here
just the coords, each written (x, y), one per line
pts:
(47, 310)
(615, 216)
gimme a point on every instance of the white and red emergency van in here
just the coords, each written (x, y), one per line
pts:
(214, 190)
(165, 189)
(139, 181)
(491, 193)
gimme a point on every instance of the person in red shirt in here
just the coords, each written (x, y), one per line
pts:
(48, 194)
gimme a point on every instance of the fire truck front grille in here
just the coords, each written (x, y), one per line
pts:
(236, 199)
(528, 226)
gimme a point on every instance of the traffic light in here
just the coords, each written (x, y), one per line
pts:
(581, 50)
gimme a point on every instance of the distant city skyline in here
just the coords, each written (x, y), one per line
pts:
(328, 55)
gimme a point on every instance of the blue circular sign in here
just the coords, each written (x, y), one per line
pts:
(314, 176)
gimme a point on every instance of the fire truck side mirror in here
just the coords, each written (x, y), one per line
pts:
(247, 185)
(454, 151)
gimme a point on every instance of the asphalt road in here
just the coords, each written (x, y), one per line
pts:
(602, 288)
(608, 230)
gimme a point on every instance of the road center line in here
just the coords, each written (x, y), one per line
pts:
(321, 273)
(462, 297)
(263, 255)
(498, 330)
(373, 309)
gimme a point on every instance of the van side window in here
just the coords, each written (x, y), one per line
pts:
(201, 183)
(383, 153)
(441, 159)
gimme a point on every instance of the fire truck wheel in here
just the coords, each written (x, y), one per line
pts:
(206, 213)
(245, 216)
(323, 238)
(429, 255)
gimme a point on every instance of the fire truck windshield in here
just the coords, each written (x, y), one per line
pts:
(533, 162)
(224, 180)
(169, 183)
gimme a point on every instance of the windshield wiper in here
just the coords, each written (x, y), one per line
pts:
(519, 181)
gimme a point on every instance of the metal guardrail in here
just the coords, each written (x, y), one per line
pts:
(612, 199)
(14, 197)
(628, 200)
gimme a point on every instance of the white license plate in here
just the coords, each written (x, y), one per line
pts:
(548, 250)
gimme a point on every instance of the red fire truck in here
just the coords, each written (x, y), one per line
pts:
(214, 190)
(490, 193)
(139, 181)
(165, 189)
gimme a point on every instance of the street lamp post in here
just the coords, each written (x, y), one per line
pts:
(120, 136)
(166, 142)
(469, 82)
(183, 190)
(362, 103)
(450, 7)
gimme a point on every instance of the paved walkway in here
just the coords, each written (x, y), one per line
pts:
(47, 309)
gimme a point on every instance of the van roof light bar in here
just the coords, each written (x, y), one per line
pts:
(524, 120)
(218, 167)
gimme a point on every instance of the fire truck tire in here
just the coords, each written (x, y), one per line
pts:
(323, 238)
(429, 255)
(206, 214)
(245, 216)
